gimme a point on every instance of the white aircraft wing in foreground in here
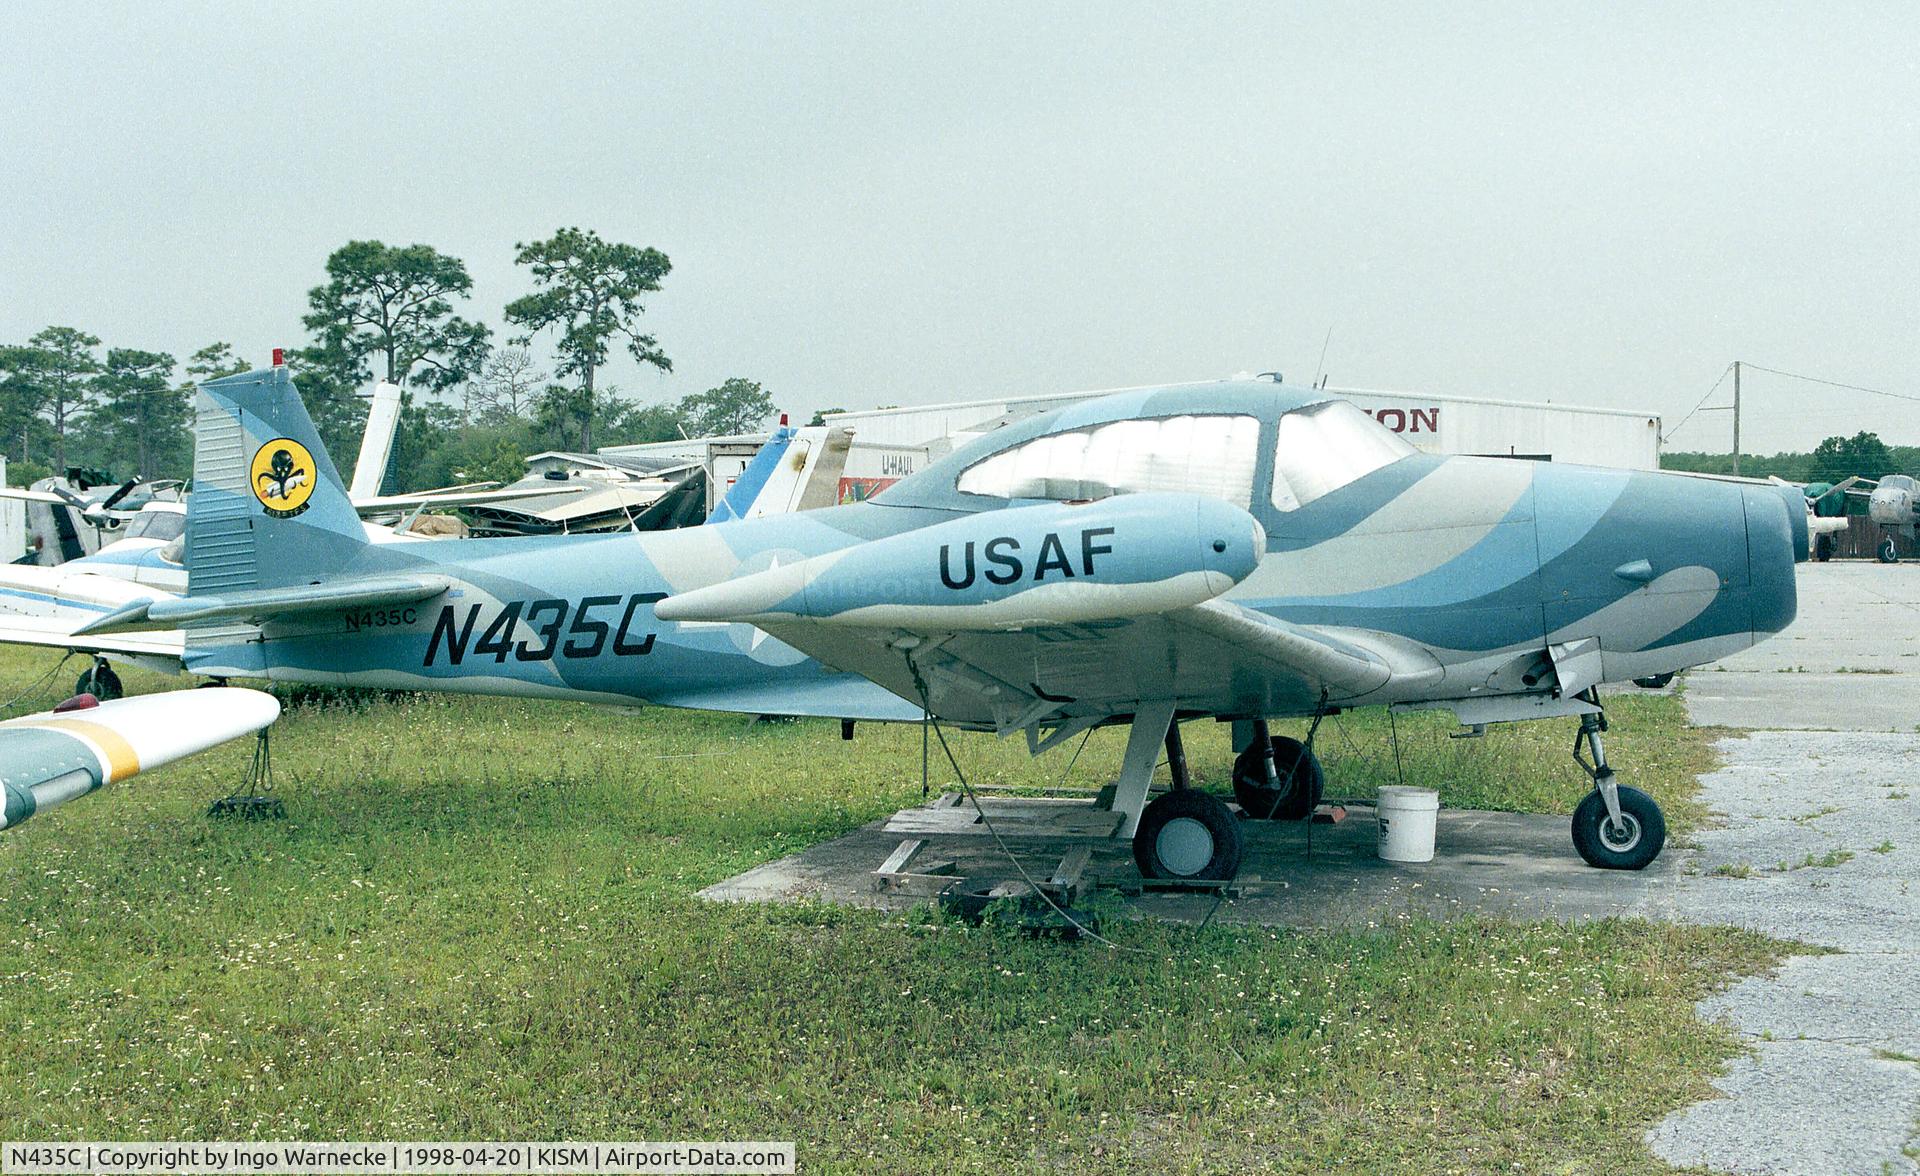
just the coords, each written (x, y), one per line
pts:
(82, 745)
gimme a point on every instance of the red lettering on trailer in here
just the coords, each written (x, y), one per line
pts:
(1407, 420)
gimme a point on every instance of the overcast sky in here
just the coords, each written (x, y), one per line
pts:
(869, 204)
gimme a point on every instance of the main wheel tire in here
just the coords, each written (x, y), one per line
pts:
(101, 682)
(1887, 552)
(1823, 548)
(1188, 835)
(1297, 769)
(1603, 846)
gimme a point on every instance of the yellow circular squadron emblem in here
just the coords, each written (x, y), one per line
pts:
(283, 477)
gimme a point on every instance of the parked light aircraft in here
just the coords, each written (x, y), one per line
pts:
(42, 604)
(1894, 503)
(83, 744)
(1242, 551)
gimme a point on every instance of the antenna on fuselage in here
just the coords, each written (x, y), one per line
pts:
(1320, 369)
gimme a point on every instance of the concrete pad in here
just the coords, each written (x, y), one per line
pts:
(1511, 864)
(1830, 1086)
(1787, 796)
(1849, 662)
(1802, 1107)
(1870, 1000)
(1852, 616)
(1789, 701)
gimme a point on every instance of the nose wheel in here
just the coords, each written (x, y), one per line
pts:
(1615, 827)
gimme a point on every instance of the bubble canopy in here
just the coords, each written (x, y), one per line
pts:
(1207, 439)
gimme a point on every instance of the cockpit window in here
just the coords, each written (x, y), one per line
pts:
(1326, 446)
(1211, 455)
(157, 524)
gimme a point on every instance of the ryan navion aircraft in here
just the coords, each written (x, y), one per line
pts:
(1242, 551)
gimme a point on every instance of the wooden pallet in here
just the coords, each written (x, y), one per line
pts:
(902, 874)
(1023, 818)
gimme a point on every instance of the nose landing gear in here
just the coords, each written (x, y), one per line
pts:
(1615, 827)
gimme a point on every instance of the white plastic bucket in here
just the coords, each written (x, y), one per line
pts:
(1407, 817)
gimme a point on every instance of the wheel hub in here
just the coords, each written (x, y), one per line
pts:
(1623, 837)
(1184, 846)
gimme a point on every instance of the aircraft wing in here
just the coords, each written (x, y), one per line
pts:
(1112, 604)
(57, 756)
(1215, 656)
(32, 495)
(438, 498)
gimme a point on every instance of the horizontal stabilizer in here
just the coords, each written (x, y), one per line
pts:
(267, 603)
(60, 633)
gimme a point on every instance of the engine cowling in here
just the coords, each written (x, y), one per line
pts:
(1050, 564)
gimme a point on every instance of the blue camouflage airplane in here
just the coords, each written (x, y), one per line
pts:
(1240, 552)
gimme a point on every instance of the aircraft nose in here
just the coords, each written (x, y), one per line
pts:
(1776, 540)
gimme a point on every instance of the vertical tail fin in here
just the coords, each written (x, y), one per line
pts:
(376, 444)
(268, 508)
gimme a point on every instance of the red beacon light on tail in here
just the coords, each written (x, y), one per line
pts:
(279, 357)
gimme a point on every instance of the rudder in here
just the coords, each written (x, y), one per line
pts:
(268, 508)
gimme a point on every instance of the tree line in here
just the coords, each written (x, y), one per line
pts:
(1832, 461)
(473, 409)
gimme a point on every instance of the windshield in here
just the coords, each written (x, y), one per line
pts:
(157, 524)
(1326, 446)
(1211, 455)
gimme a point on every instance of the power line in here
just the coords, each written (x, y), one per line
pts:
(1789, 375)
(1833, 383)
(1696, 408)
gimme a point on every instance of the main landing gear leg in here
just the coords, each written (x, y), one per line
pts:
(1615, 827)
(1177, 758)
(1184, 834)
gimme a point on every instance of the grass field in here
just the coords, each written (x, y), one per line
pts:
(478, 922)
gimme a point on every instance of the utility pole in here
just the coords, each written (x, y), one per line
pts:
(1736, 417)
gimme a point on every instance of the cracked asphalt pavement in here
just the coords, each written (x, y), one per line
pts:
(1820, 843)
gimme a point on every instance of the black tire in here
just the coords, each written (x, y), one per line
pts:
(102, 683)
(1887, 552)
(1601, 847)
(1295, 767)
(1188, 835)
(1823, 548)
